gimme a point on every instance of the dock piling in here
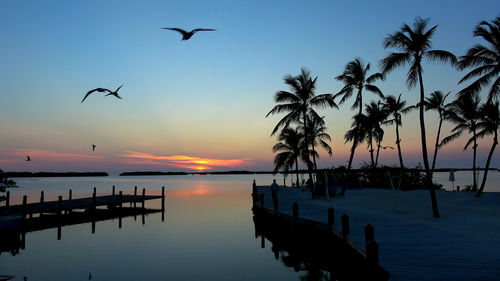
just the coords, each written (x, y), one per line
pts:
(113, 191)
(70, 195)
(25, 200)
(135, 194)
(120, 199)
(369, 234)
(345, 225)
(331, 217)
(7, 200)
(372, 252)
(41, 196)
(143, 197)
(59, 205)
(94, 203)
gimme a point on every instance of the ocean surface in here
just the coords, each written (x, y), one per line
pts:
(207, 232)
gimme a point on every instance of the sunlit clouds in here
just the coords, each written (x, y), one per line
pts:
(185, 162)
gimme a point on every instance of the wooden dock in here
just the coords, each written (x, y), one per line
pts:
(308, 240)
(70, 204)
(413, 248)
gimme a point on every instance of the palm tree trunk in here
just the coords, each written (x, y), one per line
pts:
(399, 147)
(436, 146)
(351, 157)
(297, 170)
(435, 210)
(371, 153)
(306, 138)
(495, 142)
(378, 152)
(474, 184)
(314, 160)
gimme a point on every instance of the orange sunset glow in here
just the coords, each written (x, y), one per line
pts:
(188, 162)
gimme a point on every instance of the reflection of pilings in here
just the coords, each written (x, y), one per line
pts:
(135, 194)
(143, 218)
(93, 226)
(143, 197)
(120, 222)
(59, 233)
(7, 200)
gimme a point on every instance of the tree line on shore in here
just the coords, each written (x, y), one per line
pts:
(302, 129)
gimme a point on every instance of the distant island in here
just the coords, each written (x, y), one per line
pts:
(54, 174)
(158, 173)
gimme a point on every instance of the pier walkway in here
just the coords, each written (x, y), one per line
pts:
(461, 245)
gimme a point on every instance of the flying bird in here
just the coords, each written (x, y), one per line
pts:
(28, 158)
(102, 90)
(93, 147)
(186, 35)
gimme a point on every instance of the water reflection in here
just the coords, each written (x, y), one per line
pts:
(15, 240)
(313, 252)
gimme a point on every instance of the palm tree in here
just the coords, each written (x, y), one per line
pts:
(358, 132)
(375, 116)
(289, 149)
(437, 102)
(299, 103)
(486, 59)
(318, 136)
(489, 123)
(414, 45)
(464, 112)
(396, 107)
(355, 78)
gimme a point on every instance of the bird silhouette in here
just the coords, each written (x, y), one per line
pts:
(93, 147)
(28, 158)
(102, 90)
(186, 35)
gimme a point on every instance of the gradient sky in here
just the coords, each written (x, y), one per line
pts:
(201, 104)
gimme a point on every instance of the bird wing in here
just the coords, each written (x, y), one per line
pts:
(203, 29)
(176, 29)
(118, 89)
(95, 90)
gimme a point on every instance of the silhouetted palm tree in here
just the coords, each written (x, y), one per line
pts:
(464, 113)
(355, 78)
(437, 102)
(375, 116)
(358, 132)
(318, 136)
(486, 59)
(299, 103)
(289, 148)
(414, 45)
(396, 107)
(488, 124)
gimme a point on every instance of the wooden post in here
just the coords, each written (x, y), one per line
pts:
(163, 202)
(369, 234)
(70, 195)
(331, 217)
(41, 196)
(59, 233)
(372, 252)
(59, 205)
(95, 190)
(93, 226)
(113, 191)
(120, 222)
(143, 197)
(345, 225)
(135, 194)
(143, 218)
(94, 203)
(7, 200)
(120, 199)
(25, 200)
(254, 187)
(295, 208)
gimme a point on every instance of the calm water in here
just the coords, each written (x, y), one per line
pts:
(207, 234)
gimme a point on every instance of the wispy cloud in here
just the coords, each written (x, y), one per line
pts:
(183, 161)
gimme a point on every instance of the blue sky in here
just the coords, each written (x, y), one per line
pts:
(206, 97)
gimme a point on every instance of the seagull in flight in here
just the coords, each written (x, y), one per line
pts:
(28, 158)
(186, 35)
(102, 90)
(93, 147)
